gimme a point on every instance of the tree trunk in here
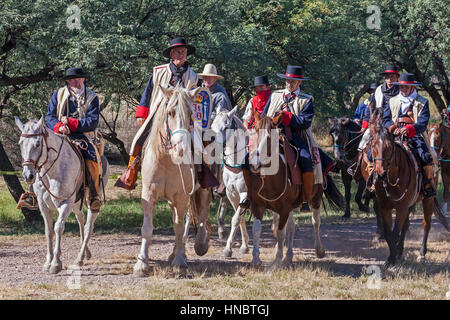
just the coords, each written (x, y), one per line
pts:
(112, 138)
(14, 186)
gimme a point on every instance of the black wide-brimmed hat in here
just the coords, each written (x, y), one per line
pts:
(73, 73)
(390, 70)
(178, 42)
(407, 79)
(293, 72)
(261, 81)
(373, 86)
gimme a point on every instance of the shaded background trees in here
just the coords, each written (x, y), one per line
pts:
(119, 42)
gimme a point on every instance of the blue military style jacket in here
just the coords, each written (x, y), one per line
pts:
(417, 130)
(79, 124)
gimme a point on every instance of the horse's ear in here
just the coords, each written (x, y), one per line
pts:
(167, 91)
(41, 122)
(193, 93)
(276, 120)
(345, 121)
(232, 112)
(19, 123)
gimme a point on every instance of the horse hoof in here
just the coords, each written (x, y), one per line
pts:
(244, 250)
(55, 268)
(421, 259)
(256, 262)
(222, 235)
(320, 253)
(227, 253)
(140, 269)
(46, 267)
(364, 208)
(78, 263)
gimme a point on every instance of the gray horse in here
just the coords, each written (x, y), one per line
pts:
(50, 158)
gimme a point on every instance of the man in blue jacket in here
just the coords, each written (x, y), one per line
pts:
(407, 114)
(74, 111)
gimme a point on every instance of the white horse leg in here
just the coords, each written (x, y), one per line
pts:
(227, 252)
(49, 233)
(275, 222)
(179, 250)
(141, 267)
(290, 232)
(281, 234)
(221, 217)
(256, 235)
(63, 212)
(320, 252)
(88, 229)
(187, 225)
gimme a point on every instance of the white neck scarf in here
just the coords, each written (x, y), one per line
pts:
(77, 93)
(407, 101)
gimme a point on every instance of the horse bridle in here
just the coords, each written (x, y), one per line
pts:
(34, 163)
(346, 144)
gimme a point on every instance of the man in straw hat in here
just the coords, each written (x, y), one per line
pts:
(177, 71)
(74, 111)
(220, 100)
(407, 114)
(259, 102)
(297, 108)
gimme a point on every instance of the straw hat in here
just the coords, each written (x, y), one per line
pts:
(209, 71)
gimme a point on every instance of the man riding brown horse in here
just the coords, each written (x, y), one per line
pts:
(407, 114)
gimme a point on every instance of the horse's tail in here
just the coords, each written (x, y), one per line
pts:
(334, 196)
(439, 214)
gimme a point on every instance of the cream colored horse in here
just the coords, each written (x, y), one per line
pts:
(168, 172)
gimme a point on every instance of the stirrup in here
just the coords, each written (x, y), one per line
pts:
(28, 200)
(352, 169)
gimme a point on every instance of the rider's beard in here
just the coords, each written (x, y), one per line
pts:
(77, 91)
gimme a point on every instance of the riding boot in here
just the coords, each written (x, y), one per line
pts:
(308, 183)
(128, 179)
(428, 188)
(93, 180)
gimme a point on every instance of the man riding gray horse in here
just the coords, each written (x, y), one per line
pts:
(74, 111)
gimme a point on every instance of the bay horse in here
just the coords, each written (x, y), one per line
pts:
(168, 172)
(346, 137)
(397, 186)
(51, 159)
(439, 140)
(274, 191)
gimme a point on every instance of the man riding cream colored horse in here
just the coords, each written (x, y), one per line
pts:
(177, 71)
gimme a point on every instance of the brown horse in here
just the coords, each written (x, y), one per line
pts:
(397, 186)
(275, 191)
(439, 140)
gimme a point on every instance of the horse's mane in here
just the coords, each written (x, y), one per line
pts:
(239, 123)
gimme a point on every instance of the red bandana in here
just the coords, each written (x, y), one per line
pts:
(259, 102)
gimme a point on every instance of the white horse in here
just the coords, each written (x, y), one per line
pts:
(234, 142)
(231, 132)
(50, 158)
(168, 172)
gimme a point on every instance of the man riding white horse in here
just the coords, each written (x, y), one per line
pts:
(177, 71)
(74, 111)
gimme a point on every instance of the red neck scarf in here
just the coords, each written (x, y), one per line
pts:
(260, 100)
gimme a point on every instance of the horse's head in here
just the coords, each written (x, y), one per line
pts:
(437, 135)
(261, 145)
(31, 147)
(223, 122)
(381, 143)
(339, 135)
(177, 119)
